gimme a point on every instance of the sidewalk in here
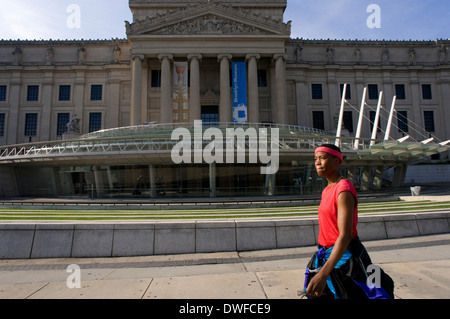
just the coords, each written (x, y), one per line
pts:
(418, 266)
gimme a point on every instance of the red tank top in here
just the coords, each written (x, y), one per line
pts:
(328, 227)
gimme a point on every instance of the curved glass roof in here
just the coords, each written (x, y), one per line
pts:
(156, 139)
(153, 130)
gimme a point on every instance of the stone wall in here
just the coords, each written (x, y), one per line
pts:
(417, 174)
(30, 240)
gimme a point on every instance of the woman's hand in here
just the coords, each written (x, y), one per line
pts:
(316, 287)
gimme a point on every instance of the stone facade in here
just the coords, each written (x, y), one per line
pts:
(77, 65)
(417, 72)
(112, 83)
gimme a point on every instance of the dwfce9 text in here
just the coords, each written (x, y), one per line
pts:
(246, 308)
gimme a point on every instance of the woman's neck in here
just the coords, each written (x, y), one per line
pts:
(334, 179)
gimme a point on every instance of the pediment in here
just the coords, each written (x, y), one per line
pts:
(209, 18)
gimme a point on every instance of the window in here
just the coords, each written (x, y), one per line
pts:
(156, 78)
(348, 120)
(429, 121)
(373, 91)
(31, 124)
(372, 115)
(348, 94)
(400, 91)
(61, 126)
(96, 92)
(2, 124)
(64, 92)
(33, 93)
(2, 92)
(210, 114)
(262, 78)
(318, 120)
(426, 91)
(316, 90)
(402, 117)
(95, 122)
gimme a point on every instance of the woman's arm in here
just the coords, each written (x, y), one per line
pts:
(346, 206)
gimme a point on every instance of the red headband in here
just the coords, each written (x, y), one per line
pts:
(331, 152)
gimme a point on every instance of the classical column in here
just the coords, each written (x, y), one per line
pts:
(47, 89)
(112, 117)
(444, 86)
(166, 114)
(225, 108)
(195, 112)
(414, 115)
(280, 83)
(78, 98)
(253, 96)
(303, 117)
(136, 91)
(13, 122)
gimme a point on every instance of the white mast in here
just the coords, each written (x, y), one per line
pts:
(391, 115)
(361, 115)
(377, 120)
(341, 117)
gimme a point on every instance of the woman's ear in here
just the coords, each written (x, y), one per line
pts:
(338, 161)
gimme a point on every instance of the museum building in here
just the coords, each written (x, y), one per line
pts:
(95, 117)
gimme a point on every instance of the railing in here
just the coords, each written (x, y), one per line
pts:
(163, 129)
(160, 144)
(158, 139)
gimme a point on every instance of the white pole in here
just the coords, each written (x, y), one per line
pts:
(361, 116)
(377, 120)
(391, 116)
(341, 117)
(444, 143)
(428, 141)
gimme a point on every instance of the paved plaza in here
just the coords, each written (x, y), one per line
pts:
(418, 266)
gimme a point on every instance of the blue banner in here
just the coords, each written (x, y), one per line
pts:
(239, 75)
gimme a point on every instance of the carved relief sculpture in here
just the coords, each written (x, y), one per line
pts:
(385, 56)
(442, 54)
(357, 55)
(82, 56)
(412, 56)
(117, 53)
(330, 54)
(298, 53)
(49, 56)
(17, 56)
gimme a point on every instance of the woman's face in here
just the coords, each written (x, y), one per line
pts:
(326, 164)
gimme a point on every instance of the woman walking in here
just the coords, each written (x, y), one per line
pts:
(338, 268)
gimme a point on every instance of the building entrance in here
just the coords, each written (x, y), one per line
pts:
(210, 114)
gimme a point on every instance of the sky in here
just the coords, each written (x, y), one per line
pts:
(311, 19)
